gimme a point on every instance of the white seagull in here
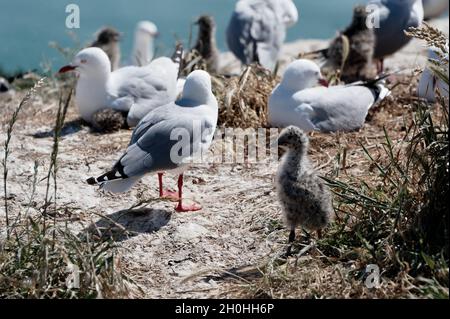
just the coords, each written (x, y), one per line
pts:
(136, 90)
(296, 101)
(168, 139)
(430, 82)
(144, 48)
(257, 30)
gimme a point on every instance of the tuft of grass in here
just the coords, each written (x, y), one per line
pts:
(245, 98)
(9, 133)
(39, 259)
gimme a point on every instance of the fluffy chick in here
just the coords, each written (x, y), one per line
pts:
(108, 40)
(305, 199)
(206, 43)
(109, 120)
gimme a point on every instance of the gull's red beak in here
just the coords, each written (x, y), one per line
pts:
(67, 68)
(324, 82)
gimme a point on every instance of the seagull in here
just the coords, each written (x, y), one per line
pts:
(257, 30)
(395, 17)
(435, 8)
(156, 146)
(296, 101)
(352, 50)
(206, 43)
(430, 82)
(144, 50)
(305, 199)
(108, 40)
(136, 90)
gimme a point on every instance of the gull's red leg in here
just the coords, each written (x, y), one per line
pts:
(165, 193)
(182, 208)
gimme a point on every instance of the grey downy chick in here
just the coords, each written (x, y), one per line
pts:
(206, 43)
(305, 199)
(361, 42)
(108, 40)
(353, 49)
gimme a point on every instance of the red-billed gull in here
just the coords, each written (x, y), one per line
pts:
(136, 90)
(156, 146)
(296, 101)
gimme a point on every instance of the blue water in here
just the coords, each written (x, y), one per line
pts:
(27, 26)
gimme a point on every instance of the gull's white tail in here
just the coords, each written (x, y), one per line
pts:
(120, 185)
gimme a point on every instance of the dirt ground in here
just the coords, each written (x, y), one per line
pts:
(179, 255)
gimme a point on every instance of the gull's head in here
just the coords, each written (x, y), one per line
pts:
(108, 35)
(90, 61)
(147, 28)
(360, 16)
(206, 22)
(197, 88)
(302, 74)
(294, 138)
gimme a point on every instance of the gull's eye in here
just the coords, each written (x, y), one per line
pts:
(84, 61)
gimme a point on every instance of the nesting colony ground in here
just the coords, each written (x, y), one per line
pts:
(214, 252)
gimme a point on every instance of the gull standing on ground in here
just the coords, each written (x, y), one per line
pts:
(155, 146)
(395, 17)
(296, 101)
(304, 197)
(257, 30)
(136, 90)
(108, 40)
(206, 43)
(144, 48)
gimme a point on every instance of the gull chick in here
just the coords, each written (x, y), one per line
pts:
(108, 40)
(156, 146)
(359, 40)
(206, 43)
(305, 200)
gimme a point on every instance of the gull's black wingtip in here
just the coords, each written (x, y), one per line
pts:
(91, 181)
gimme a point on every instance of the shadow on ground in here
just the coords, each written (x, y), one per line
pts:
(69, 128)
(125, 224)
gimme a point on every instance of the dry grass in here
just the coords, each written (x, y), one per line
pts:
(244, 99)
(40, 255)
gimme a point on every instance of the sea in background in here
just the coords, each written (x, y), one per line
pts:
(28, 26)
